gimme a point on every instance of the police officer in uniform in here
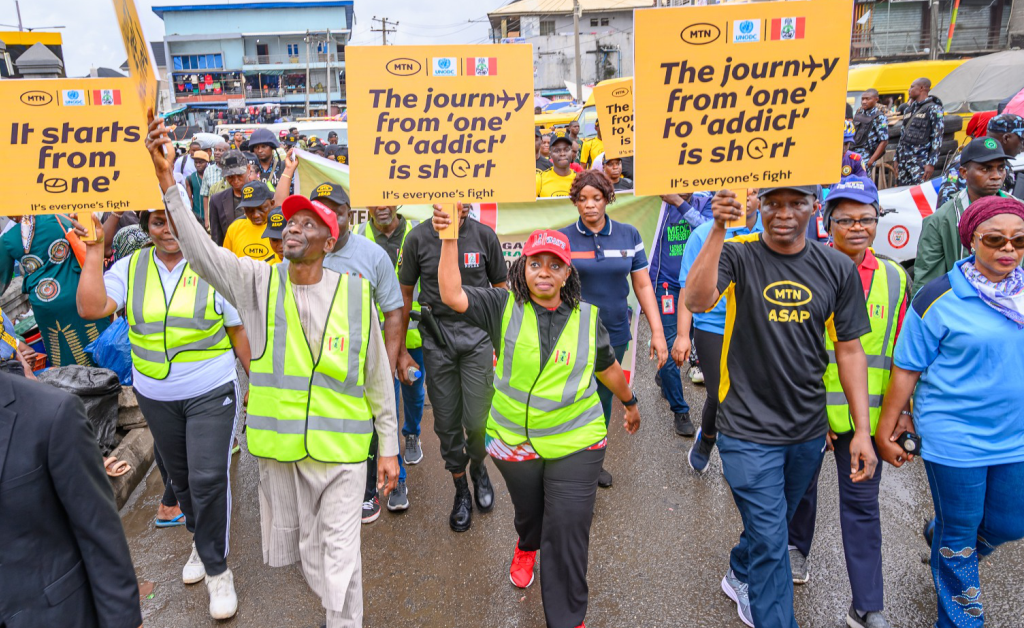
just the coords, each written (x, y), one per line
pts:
(851, 218)
(1008, 130)
(918, 150)
(871, 129)
(457, 355)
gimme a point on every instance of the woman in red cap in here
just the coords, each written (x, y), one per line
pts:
(546, 431)
(961, 354)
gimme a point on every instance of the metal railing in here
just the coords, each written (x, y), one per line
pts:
(881, 43)
(299, 59)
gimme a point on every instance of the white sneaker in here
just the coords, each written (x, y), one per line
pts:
(223, 601)
(194, 571)
(696, 375)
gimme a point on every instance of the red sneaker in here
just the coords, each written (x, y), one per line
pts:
(521, 573)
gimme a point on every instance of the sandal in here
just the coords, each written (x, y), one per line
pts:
(170, 523)
(116, 468)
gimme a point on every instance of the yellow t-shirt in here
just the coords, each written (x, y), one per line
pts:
(550, 184)
(245, 239)
(591, 149)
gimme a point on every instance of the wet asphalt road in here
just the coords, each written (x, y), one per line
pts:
(659, 547)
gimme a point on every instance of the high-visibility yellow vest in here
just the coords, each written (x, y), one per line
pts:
(553, 406)
(885, 298)
(304, 406)
(413, 340)
(188, 330)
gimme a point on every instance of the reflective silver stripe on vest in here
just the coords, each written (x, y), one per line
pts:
(515, 325)
(884, 362)
(507, 423)
(278, 378)
(199, 345)
(874, 361)
(198, 322)
(839, 399)
(149, 355)
(591, 414)
(339, 426)
(271, 424)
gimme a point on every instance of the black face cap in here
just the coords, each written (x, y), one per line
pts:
(559, 138)
(810, 190)
(982, 150)
(233, 162)
(331, 192)
(275, 225)
(254, 194)
(337, 152)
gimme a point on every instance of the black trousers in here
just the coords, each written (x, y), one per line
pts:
(194, 438)
(168, 498)
(861, 526)
(709, 347)
(460, 387)
(554, 504)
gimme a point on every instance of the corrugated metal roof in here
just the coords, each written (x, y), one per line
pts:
(541, 7)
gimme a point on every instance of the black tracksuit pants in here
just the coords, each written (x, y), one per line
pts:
(194, 438)
(461, 385)
(554, 504)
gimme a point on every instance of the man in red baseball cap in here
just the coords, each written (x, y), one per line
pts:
(545, 431)
(321, 386)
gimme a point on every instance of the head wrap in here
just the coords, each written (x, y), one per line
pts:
(984, 209)
(128, 240)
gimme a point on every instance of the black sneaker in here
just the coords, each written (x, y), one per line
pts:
(371, 509)
(683, 425)
(604, 480)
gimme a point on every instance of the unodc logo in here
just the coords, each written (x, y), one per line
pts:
(443, 63)
(746, 27)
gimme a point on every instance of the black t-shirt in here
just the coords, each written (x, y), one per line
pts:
(481, 261)
(487, 305)
(543, 163)
(778, 310)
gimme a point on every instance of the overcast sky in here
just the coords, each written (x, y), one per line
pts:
(91, 37)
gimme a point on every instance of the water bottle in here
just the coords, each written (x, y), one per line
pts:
(413, 373)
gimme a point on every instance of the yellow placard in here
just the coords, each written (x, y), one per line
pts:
(440, 124)
(614, 102)
(740, 95)
(140, 61)
(74, 145)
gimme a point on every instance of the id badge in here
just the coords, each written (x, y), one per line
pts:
(668, 304)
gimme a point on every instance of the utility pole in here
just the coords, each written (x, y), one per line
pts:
(328, 44)
(307, 73)
(933, 30)
(383, 30)
(576, 12)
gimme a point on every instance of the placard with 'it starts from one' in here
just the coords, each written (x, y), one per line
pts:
(740, 95)
(74, 145)
(440, 124)
(614, 103)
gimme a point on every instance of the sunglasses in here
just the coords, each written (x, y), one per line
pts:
(998, 240)
(846, 223)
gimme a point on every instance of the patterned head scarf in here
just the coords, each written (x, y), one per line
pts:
(128, 240)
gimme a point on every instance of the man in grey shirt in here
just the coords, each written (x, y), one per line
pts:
(355, 254)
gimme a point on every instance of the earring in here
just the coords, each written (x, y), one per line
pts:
(563, 284)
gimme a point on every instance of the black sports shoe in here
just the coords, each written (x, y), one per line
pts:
(462, 509)
(604, 480)
(683, 425)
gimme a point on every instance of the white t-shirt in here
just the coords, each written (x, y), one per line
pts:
(186, 379)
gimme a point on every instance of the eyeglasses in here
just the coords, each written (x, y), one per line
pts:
(998, 240)
(846, 223)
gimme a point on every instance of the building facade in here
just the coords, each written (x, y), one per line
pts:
(606, 38)
(233, 54)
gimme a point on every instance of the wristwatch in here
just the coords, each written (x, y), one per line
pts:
(631, 402)
(906, 413)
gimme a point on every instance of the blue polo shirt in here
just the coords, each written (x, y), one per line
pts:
(677, 223)
(604, 261)
(712, 321)
(967, 405)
